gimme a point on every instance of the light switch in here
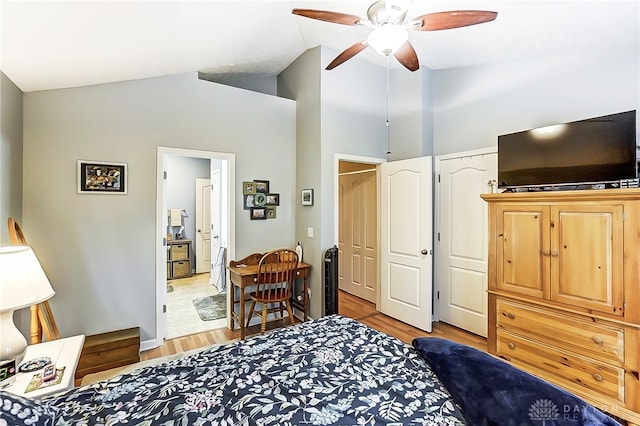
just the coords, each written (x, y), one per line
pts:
(310, 232)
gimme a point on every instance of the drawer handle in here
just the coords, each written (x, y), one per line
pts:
(597, 377)
(511, 346)
(511, 315)
(597, 340)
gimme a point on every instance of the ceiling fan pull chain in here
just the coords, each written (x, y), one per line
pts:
(388, 101)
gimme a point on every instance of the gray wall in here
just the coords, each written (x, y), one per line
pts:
(99, 250)
(10, 155)
(338, 111)
(473, 105)
(410, 113)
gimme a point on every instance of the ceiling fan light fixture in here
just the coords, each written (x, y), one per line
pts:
(388, 38)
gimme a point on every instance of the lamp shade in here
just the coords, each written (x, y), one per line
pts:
(22, 281)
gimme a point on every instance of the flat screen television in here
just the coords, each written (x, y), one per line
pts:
(592, 151)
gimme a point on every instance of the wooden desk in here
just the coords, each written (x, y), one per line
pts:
(245, 276)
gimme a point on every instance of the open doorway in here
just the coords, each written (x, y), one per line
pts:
(356, 225)
(195, 211)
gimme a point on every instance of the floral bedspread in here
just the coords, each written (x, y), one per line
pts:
(332, 370)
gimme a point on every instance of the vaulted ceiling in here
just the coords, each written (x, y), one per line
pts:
(55, 44)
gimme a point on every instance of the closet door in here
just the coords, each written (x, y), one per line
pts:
(358, 234)
(462, 241)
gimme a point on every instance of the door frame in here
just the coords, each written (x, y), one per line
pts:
(228, 194)
(436, 216)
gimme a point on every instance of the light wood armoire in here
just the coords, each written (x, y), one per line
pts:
(564, 291)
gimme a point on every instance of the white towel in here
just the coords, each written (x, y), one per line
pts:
(175, 217)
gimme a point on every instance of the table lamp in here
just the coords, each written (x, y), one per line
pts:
(22, 283)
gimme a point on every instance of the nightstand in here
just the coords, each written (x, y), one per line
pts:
(64, 353)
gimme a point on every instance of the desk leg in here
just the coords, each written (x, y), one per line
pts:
(243, 330)
(305, 297)
(233, 305)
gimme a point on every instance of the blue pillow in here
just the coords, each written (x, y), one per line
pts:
(491, 391)
(17, 411)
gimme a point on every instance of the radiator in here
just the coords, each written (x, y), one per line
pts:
(331, 281)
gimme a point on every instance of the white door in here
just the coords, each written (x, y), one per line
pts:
(406, 241)
(357, 243)
(203, 225)
(461, 269)
(216, 266)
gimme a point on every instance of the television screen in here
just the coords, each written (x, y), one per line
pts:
(595, 150)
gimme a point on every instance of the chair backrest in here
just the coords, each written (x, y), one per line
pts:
(276, 272)
(15, 233)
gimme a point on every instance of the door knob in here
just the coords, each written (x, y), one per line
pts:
(424, 251)
(199, 230)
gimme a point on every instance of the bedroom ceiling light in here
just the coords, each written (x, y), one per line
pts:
(388, 38)
(22, 283)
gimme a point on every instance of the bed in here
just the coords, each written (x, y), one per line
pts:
(333, 370)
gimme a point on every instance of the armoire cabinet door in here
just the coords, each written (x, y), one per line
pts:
(522, 249)
(587, 257)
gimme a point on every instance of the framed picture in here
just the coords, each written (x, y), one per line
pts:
(273, 199)
(259, 199)
(307, 197)
(248, 188)
(247, 201)
(258, 213)
(271, 212)
(262, 186)
(102, 178)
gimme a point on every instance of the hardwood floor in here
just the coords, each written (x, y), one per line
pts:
(349, 306)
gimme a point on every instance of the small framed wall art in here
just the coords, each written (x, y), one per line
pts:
(307, 197)
(248, 188)
(273, 199)
(258, 213)
(262, 186)
(95, 177)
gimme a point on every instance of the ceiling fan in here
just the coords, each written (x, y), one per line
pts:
(390, 34)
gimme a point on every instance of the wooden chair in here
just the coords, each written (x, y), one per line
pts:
(274, 285)
(252, 259)
(42, 320)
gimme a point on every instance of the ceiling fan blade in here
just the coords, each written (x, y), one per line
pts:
(407, 56)
(324, 15)
(348, 53)
(452, 19)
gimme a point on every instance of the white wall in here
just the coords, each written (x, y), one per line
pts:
(99, 250)
(473, 105)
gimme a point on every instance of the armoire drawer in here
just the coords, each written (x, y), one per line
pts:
(605, 342)
(563, 368)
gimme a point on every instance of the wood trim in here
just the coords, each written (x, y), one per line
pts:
(566, 196)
